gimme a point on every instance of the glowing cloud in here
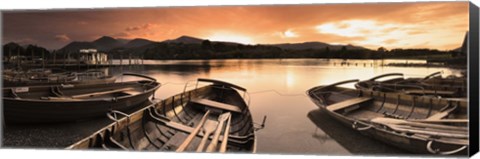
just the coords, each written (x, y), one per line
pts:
(353, 28)
(290, 34)
(390, 35)
(230, 37)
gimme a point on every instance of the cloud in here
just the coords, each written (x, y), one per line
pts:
(352, 28)
(390, 41)
(290, 34)
(122, 35)
(146, 26)
(26, 41)
(62, 38)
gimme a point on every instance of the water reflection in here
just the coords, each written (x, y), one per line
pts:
(352, 140)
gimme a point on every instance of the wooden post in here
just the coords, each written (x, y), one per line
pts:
(32, 56)
(129, 59)
(18, 58)
(97, 60)
(54, 56)
(64, 59)
(121, 59)
(78, 61)
(110, 59)
(9, 55)
(43, 59)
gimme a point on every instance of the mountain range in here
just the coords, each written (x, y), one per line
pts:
(107, 43)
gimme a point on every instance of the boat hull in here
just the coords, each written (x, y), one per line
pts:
(405, 141)
(36, 110)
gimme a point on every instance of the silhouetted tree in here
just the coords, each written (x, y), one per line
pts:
(381, 50)
(206, 44)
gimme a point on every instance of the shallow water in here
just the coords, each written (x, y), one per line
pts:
(277, 89)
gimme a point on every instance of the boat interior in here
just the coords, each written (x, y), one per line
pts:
(213, 118)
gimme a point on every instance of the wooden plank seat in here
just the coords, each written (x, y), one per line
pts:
(441, 115)
(218, 105)
(348, 103)
(438, 116)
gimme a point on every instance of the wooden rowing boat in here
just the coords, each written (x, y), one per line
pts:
(12, 78)
(432, 85)
(419, 124)
(61, 103)
(93, 77)
(213, 118)
(38, 78)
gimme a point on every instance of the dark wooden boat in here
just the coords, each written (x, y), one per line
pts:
(61, 103)
(12, 78)
(57, 77)
(420, 124)
(93, 77)
(213, 118)
(431, 85)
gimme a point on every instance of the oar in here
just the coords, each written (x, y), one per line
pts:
(190, 137)
(213, 145)
(208, 128)
(223, 146)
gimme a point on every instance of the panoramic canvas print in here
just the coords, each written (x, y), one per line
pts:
(323, 79)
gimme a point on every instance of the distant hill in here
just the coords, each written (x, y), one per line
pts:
(77, 45)
(315, 45)
(106, 43)
(137, 43)
(124, 41)
(185, 39)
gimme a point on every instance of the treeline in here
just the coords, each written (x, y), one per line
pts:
(220, 50)
(225, 50)
(13, 49)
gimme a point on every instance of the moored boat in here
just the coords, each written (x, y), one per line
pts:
(213, 118)
(419, 124)
(57, 77)
(93, 77)
(430, 85)
(62, 103)
(13, 78)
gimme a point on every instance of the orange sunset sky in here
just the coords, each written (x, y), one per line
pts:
(440, 25)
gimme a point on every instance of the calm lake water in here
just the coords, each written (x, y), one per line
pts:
(277, 89)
